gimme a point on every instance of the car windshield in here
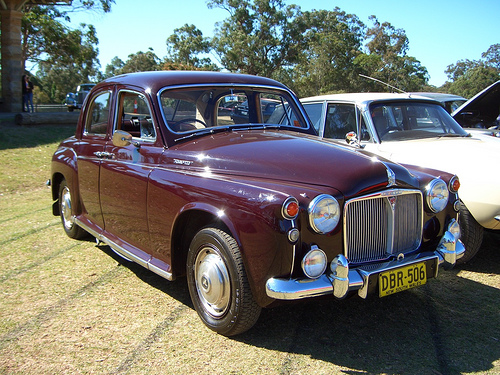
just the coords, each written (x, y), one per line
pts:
(412, 120)
(193, 109)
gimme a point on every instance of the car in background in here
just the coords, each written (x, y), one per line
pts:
(252, 213)
(240, 114)
(413, 130)
(75, 100)
(450, 102)
(481, 114)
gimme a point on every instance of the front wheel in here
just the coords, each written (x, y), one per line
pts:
(472, 234)
(66, 212)
(218, 284)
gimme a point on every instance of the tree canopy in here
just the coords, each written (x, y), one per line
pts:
(64, 57)
(313, 52)
(468, 77)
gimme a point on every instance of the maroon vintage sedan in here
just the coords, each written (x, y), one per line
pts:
(251, 212)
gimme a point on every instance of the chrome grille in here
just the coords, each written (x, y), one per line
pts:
(379, 225)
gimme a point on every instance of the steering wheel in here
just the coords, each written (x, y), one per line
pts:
(177, 125)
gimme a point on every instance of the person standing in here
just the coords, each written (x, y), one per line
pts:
(27, 94)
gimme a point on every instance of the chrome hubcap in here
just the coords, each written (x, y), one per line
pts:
(66, 208)
(212, 282)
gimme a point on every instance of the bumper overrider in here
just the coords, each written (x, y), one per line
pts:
(340, 280)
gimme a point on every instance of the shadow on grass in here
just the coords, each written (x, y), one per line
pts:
(13, 136)
(449, 326)
(177, 289)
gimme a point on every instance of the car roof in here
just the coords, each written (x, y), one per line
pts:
(159, 79)
(366, 97)
(439, 96)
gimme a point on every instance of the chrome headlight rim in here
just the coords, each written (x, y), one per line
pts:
(320, 222)
(437, 195)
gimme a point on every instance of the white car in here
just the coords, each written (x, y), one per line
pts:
(414, 130)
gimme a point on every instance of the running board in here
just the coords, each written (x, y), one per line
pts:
(127, 255)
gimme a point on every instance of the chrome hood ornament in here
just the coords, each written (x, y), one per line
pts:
(391, 176)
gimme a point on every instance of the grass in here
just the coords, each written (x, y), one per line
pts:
(73, 307)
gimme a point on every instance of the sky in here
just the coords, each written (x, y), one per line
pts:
(440, 32)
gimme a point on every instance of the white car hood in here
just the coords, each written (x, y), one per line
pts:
(472, 159)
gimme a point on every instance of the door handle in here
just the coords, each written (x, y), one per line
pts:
(104, 155)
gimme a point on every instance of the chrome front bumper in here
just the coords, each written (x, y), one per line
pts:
(340, 280)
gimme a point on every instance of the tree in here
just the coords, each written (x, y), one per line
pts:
(140, 62)
(259, 36)
(468, 77)
(492, 56)
(185, 46)
(388, 61)
(45, 36)
(113, 68)
(332, 41)
(64, 57)
(59, 75)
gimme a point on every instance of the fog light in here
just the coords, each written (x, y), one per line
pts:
(454, 228)
(314, 263)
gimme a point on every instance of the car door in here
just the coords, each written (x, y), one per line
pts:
(125, 172)
(90, 151)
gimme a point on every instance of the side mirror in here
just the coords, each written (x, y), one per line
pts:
(351, 138)
(122, 138)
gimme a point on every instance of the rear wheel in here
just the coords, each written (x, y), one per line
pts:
(218, 284)
(67, 213)
(472, 234)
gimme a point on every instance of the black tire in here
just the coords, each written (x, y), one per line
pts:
(472, 234)
(218, 284)
(66, 212)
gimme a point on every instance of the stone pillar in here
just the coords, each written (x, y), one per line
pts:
(12, 69)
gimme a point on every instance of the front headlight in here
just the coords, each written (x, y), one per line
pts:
(324, 213)
(436, 195)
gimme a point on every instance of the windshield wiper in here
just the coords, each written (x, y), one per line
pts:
(220, 129)
(203, 132)
(453, 135)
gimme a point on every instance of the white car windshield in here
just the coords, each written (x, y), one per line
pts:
(395, 121)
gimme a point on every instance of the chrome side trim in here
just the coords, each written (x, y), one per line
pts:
(127, 255)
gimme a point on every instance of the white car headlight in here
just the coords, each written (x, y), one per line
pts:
(437, 195)
(324, 213)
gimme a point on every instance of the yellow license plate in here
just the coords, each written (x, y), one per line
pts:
(400, 279)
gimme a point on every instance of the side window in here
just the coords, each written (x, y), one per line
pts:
(340, 120)
(314, 111)
(98, 114)
(135, 116)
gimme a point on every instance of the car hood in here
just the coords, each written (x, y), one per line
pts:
(287, 157)
(470, 158)
(481, 110)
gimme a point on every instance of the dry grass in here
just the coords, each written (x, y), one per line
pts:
(72, 307)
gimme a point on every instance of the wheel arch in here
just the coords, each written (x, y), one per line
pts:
(187, 224)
